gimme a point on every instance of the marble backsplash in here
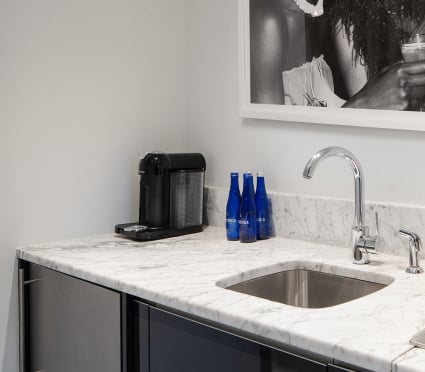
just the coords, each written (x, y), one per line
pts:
(328, 220)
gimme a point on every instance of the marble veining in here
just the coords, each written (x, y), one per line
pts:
(412, 361)
(182, 273)
(328, 220)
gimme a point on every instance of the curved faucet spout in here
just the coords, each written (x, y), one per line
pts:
(358, 178)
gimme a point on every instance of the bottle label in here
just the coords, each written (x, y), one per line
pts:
(231, 220)
(244, 222)
(261, 219)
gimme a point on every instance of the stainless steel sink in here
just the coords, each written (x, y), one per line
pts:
(307, 288)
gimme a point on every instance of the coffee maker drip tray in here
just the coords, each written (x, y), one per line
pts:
(140, 232)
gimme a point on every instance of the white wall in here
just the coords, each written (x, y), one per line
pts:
(393, 161)
(85, 85)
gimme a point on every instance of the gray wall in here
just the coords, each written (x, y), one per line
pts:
(85, 85)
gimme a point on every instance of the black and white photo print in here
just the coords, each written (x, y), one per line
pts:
(365, 54)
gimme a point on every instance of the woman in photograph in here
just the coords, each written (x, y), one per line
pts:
(339, 53)
(287, 60)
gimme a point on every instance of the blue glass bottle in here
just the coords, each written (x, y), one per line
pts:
(262, 209)
(247, 223)
(233, 208)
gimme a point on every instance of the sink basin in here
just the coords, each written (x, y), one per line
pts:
(307, 288)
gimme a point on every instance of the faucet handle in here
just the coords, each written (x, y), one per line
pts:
(367, 243)
(415, 245)
(376, 225)
(366, 229)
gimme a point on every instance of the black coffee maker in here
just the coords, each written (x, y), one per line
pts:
(171, 196)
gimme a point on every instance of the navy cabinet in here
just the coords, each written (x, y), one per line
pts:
(179, 344)
(169, 342)
(67, 324)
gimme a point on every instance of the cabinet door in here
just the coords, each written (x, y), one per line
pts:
(72, 325)
(178, 344)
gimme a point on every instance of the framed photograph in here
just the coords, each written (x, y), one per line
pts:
(321, 61)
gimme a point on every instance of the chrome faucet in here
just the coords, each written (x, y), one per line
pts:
(361, 242)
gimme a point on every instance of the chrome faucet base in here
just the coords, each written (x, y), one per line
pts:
(362, 244)
(414, 270)
(363, 260)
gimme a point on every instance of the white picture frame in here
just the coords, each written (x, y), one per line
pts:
(388, 119)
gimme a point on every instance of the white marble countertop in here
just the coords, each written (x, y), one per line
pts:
(372, 332)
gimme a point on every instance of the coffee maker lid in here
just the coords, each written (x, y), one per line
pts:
(159, 163)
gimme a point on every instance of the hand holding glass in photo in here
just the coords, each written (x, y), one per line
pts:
(414, 51)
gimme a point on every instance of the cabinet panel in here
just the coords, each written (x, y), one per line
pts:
(181, 345)
(72, 325)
